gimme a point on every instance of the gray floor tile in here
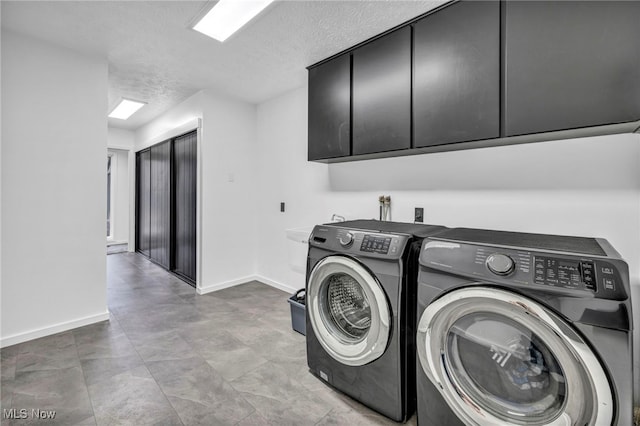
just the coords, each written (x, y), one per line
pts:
(61, 390)
(160, 346)
(255, 419)
(8, 358)
(131, 397)
(115, 345)
(48, 353)
(6, 393)
(97, 370)
(279, 398)
(225, 353)
(355, 418)
(199, 393)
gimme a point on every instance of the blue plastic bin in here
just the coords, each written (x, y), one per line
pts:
(298, 312)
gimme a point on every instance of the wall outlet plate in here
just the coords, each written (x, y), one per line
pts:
(282, 207)
(419, 214)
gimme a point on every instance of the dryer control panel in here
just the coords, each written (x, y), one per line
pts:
(564, 272)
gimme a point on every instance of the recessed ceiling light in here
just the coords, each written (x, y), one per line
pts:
(126, 108)
(228, 16)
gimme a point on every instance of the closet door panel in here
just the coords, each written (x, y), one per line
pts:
(160, 203)
(143, 201)
(185, 174)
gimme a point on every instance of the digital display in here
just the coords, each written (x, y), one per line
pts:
(374, 244)
(564, 273)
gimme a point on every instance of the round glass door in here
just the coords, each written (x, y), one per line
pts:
(348, 310)
(499, 358)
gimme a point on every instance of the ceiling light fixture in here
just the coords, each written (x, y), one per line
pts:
(228, 16)
(126, 108)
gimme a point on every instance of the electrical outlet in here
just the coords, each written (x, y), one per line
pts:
(419, 214)
(282, 207)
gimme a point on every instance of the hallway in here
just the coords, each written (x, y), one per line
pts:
(171, 357)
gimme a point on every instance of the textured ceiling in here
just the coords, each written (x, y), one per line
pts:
(155, 57)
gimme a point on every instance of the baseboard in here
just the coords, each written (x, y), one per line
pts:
(276, 284)
(244, 280)
(225, 284)
(47, 331)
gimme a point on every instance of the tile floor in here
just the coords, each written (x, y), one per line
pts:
(171, 357)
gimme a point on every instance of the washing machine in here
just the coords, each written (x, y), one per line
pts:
(522, 329)
(360, 311)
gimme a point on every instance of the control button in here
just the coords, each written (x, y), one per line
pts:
(606, 270)
(591, 286)
(609, 284)
(500, 264)
(346, 239)
(587, 267)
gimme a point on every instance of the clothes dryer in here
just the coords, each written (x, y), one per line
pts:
(360, 311)
(522, 329)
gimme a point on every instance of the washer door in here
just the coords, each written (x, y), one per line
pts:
(348, 311)
(500, 358)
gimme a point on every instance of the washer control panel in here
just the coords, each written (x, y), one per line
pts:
(568, 273)
(359, 242)
(564, 272)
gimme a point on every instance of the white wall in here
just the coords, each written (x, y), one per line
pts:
(585, 187)
(54, 140)
(121, 138)
(226, 183)
(228, 188)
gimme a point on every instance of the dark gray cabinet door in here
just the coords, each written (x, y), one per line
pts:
(382, 94)
(330, 109)
(571, 64)
(160, 238)
(185, 168)
(143, 202)
(456, 92)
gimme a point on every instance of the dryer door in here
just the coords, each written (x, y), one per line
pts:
(348, 310)
(500, 358)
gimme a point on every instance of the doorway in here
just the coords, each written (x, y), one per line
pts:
(166, 175)
(117, 214)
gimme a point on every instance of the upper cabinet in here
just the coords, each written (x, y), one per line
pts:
(456, 80)
(330, 109)
(570, 64)
(382, 94)
(480, 73)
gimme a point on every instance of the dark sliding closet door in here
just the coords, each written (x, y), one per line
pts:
(166, 205)
(143, 202)
(184, 161)
(160, 203)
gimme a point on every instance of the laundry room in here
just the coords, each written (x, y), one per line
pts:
(240, 144)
